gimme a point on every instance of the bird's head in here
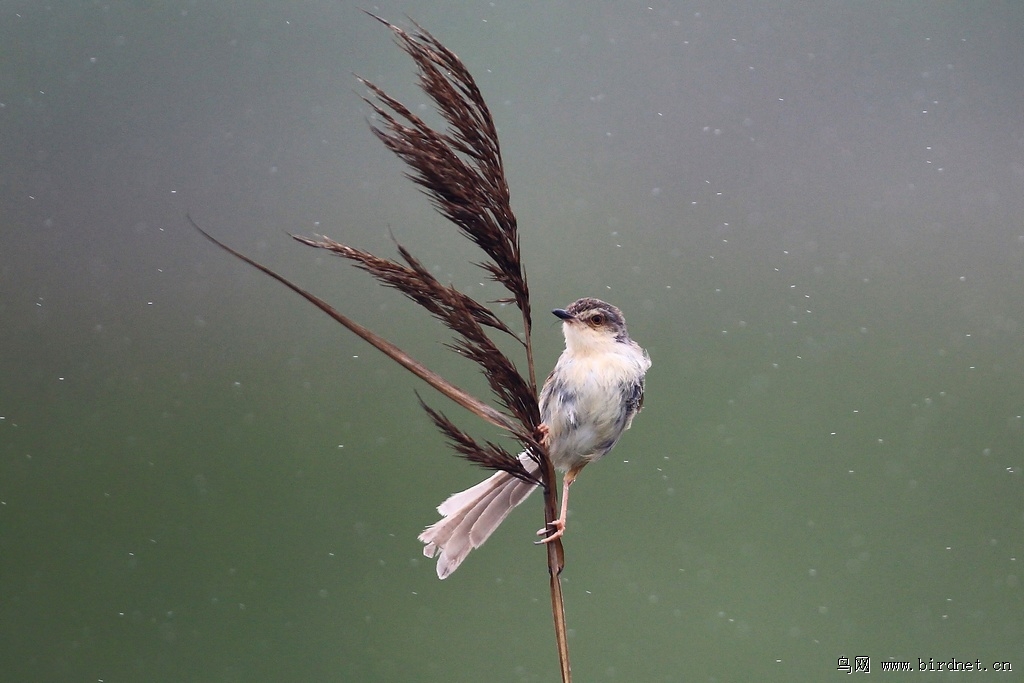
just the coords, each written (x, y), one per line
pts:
(591, 324)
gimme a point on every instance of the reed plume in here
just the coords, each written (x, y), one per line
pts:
(460, 169)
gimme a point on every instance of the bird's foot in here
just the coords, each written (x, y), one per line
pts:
(558, 525)
(543, 431)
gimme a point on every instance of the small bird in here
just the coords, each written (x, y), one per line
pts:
(587, 401)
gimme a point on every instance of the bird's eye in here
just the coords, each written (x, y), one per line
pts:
(597, 319)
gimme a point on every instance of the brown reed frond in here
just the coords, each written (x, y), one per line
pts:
(460, 170)
(504, 379)
(472, 193)
(491, 455)
(408, 281)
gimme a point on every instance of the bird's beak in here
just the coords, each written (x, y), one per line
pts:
(563, 314)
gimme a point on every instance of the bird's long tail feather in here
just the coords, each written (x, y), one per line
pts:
(469, 517)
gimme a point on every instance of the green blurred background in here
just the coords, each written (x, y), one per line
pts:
(811, 214)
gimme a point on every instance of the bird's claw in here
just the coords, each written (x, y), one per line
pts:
(559, 527)
(543, 431)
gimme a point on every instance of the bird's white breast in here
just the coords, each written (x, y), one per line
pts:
(584, 407)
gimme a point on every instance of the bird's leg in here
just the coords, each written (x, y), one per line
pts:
(559, 524)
